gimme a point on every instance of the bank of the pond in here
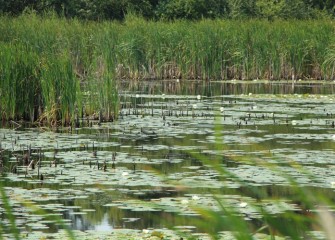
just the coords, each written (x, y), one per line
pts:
(54, 69)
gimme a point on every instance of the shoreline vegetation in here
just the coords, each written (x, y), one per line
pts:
(56, 70)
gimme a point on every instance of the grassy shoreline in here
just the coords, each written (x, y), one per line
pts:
(49, 64)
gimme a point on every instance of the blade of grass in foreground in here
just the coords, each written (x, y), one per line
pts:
(295, 225)
(58, 220)
(10, 216)
(14, 231)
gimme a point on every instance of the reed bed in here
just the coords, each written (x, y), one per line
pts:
(53, 68)
(47, 68)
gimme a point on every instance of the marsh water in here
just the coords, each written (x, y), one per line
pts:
(176, 147)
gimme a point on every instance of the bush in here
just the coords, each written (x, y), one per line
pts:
(174, 9)
(191, 9)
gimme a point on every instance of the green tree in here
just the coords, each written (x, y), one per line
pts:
(101, 9)
(242, 8)
(15, 7)
(286, 9)
(175, 9)
(191, 9)
(111, 9)
(146, 8)
(324, 5)
(268, 8)
(296, 9)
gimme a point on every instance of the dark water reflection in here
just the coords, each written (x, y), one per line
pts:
(210, 89)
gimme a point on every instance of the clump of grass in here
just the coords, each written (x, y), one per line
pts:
(44, 71)
(60, 90)
(329, 63)
(19, 85)
(36, 86)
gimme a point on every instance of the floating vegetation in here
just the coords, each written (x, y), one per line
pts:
(190, 205)
(168, 170)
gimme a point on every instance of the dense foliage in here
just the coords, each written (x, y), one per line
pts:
(50, 72)
(175, 9)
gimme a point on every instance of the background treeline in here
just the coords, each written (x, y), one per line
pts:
(175, 9)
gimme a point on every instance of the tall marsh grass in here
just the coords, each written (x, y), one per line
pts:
(49, 64)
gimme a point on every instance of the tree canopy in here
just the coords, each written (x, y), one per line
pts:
(175, 9)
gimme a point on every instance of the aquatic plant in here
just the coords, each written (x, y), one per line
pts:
(213, 49)
(329, 62)
(310, 210)
(44, 74)
(74, 58)
(60, 90)
(20, 87)
(236, 167)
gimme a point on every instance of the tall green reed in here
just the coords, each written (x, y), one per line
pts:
(60, 89)
(45, 67)
(80, 56)
(216, 49)
(18, 81)
(9, 215)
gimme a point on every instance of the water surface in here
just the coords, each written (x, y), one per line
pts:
(159, 162)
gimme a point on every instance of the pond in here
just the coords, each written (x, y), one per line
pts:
(178, 151)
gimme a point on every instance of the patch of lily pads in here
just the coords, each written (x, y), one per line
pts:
(149, 158)
(81, 175)
(145, 234)
(17, 140)
(310, 176)
(193, 204)
(199, 178)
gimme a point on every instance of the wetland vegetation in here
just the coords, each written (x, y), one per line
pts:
(187, 159)
(52, 69)
(152, 129)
